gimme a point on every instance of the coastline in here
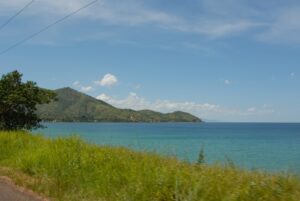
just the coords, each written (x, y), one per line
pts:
(250, 146)
(71, 169)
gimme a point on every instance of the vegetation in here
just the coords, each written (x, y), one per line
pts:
(201, 157)
(18, 102)
(72, 170)
(75, 106)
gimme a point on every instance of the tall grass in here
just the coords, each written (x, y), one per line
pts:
(70, 169)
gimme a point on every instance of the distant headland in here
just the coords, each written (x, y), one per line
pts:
(74, 106)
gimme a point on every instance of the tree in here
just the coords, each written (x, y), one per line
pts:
(18, 101)
(201, 157)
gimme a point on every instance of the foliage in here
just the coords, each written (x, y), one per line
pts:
(75, 106)
(68, 169)
(201, 157)
(18, 102)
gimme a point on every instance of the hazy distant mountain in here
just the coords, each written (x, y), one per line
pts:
(75, 106)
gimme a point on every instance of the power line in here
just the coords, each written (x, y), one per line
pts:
(46, 28)
(16, 15)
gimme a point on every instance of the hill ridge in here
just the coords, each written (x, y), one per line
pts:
(75, 106)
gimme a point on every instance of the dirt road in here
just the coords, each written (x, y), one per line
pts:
(9, 192)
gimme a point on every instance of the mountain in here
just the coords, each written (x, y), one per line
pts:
(73, 106)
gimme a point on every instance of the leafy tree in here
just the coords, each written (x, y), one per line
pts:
(18, 101)
(201, 157)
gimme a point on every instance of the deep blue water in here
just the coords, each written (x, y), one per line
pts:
(267, 146)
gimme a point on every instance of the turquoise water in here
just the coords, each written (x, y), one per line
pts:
(267, 146)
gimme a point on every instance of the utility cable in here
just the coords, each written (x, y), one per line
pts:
(46, 28)
(15, 15)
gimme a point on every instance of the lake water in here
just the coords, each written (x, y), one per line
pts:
(267, 146)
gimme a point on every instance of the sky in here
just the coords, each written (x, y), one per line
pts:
(221, 60)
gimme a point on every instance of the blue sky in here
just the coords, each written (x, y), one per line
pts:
(225, 60)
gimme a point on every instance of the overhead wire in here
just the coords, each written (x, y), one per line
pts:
(47, 27)
(15, 15)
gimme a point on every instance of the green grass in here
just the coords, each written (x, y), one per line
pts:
(70, 169)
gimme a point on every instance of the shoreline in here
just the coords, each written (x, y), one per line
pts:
(71, 169)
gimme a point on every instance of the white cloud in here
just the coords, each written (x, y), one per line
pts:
(108, 80)
(227, 82)
(217, 28)
(203, 110)
(284, 28)
(251, 109)
(138, 86)
(76, 83)
(86, 89)
(134, 13)
(133, 101)
(103, 97)
(82, 88)
(114, 12)
(215, 19)
(292, 75)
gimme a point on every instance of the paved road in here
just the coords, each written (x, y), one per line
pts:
(9, 192)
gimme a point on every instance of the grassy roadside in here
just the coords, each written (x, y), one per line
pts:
(70, 169)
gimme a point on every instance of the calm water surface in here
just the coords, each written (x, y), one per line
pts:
(268, 146)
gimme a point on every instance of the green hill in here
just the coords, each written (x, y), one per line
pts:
(75, 106)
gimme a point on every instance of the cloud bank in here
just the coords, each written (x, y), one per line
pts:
(214, 19)
(202, 110)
